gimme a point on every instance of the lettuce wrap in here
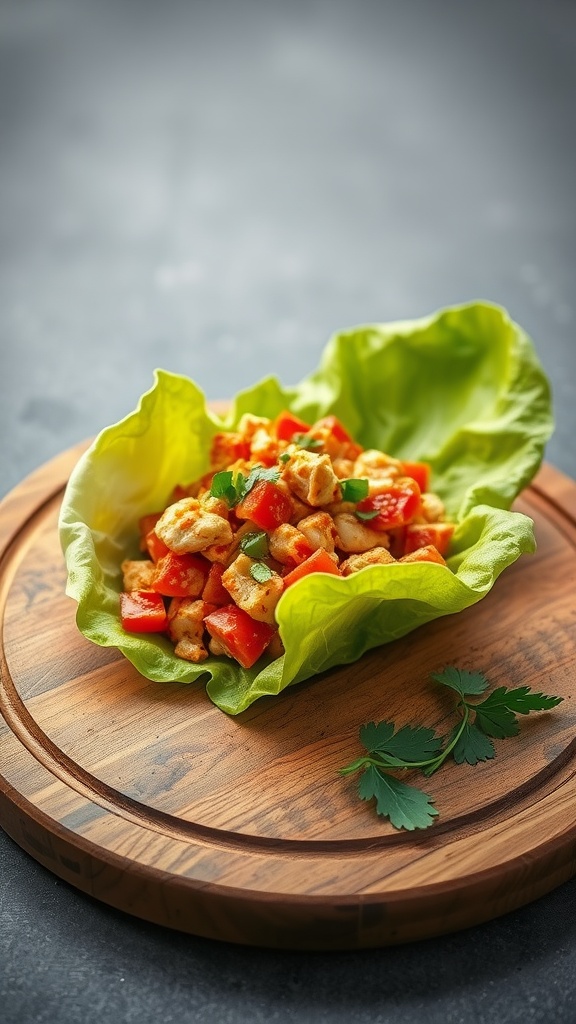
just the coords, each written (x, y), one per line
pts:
(462, 390)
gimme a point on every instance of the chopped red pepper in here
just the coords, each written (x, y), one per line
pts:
(266, 505)
(320, 561)
(145, 524)
(286, 425)
(420, 472)
(180, 575)
(394, 505)
(242, 637)
(142, 611)
(156, 547)
(420, 535)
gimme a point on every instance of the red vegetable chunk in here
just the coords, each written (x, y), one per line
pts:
(142, 611)
(320, 561)
(420, 472)
(266, 505)
(242, 637)
(394, 505)
(180, 575)
(420, 535)
(286, 425)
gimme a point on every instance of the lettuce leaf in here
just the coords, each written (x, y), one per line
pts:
(462, 389)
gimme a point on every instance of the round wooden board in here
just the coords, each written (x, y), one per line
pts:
(149, 798)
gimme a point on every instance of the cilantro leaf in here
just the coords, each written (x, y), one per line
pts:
(405, 806)
(233, 489)
(364, 516)
(354, 489)
(261, 572)
(465, 683)
(255, 544)
(285, 457)
(309, 444)
(472, 746)
(260, 473)
(495, 714)
(409, 744)
(223, 487)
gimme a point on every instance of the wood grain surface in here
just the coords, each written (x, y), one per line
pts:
(149, 798)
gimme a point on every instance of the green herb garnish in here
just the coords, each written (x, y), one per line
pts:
(420, 748)
(365, 516)
(255, 544)
(310, 444)
(233, 489)
(261, 572)
(354, 489)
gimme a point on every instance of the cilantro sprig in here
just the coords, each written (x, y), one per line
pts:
(419, 748)
(233, 488)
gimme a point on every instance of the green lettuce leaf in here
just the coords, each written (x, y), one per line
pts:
(462, 389)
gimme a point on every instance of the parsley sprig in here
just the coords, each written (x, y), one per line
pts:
(233, 488)
(420, 748)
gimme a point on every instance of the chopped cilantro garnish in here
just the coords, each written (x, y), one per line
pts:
(420, 748)
(354, 489)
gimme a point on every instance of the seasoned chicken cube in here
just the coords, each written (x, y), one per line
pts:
(320, 531)
(249, 424)
(186, 627)
(288, 545)
(226, 553)
(264, 448)
(138, 574)
(432, 508)
(187, 526)
(373, 463)
(312, 478)
(355, 537)
(343, 468)
(376, 556)
(226, 448)
(258, 599)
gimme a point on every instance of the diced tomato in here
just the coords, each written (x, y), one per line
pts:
(320, 561)
(286, 425)
(145, 524)
(395, 505)
(242, 637)
(142, 611)
(420, 535)
(266, 505)
(426, 554)
(420, 472)
(156, 547)
(180, 575)
(214, 592)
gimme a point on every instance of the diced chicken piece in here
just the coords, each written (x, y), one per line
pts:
(320, 531)
(288, 545)
(226, 448)
(376, 556)
(186, 627)
(264, 448)
(258, 599)
(343, 468)
(312, 478)
(216, 505)
(226, 553)
(354, 536)
(138, 574)
(216, 648)
(341, 506)
(376, 464)
(432, 508)
(187, 526)
(275, 648)
(249, 424)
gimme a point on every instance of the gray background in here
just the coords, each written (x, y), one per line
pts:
(215, 188)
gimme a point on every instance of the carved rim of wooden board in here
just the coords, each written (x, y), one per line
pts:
(149, 798)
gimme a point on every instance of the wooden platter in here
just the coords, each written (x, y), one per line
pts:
(149, 798)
